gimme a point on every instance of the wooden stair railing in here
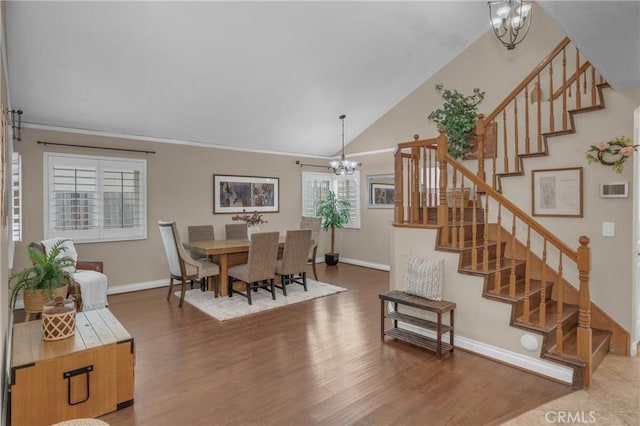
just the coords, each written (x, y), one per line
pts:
(423, 187)
(541, 106)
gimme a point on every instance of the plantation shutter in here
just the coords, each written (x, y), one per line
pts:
(16, 197)
(95, 198)
(316, 186)
(348, 188)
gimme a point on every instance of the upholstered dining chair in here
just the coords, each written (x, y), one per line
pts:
(315, 224)
(236, 231)
(183, 267)
(294, 259)
(92, 282)
(259, 271)
(200, 233)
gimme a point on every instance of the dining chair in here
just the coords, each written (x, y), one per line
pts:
(294, 259)
(259, 271)
(315, 224)
(200, 233)
(183, 267)
(236, 231)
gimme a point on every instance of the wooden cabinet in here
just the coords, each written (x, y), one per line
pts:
(86, 375)
(439, 308)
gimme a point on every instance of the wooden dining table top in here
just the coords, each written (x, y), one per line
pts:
(212, 247)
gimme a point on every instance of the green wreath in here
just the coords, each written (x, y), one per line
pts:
(613, 153)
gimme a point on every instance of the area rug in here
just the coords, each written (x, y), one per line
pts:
(226, 308)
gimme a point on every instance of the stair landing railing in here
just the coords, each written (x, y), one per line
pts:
(539, 107)
(434, 190)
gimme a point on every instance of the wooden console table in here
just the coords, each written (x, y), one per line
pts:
(86, 375)
(439, 308)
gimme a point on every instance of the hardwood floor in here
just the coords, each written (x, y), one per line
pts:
(315, 362)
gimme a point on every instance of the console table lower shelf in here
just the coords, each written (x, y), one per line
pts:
(439, 308)
(86, 375)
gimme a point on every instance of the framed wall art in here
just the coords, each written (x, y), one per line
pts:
(381, 191)
(557, 192)
(237, 194)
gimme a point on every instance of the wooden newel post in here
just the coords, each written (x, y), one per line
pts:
(584, 314)
(398, 216)
(414, 212)
(443, 209)
(480, 138)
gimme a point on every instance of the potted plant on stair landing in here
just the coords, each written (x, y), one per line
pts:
(458, 117)
(47, 278)
(335, 214)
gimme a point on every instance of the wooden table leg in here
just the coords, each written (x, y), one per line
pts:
(224, 274)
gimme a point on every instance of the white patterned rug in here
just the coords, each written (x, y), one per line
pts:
(226, 308)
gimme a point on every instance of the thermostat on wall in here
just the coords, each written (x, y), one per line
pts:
(614, 190)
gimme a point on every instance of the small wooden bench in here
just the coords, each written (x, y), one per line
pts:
(401, 298)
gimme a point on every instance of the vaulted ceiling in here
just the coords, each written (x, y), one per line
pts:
(271, 76)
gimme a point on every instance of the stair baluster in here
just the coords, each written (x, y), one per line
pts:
(498, 273)
(512, 275)
(543, 290)
(560, 308)
(527, 278)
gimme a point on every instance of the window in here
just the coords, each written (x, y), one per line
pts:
(16, 197)
(315, 186)
(95, 198)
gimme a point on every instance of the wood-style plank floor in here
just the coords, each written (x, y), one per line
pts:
(319, 362)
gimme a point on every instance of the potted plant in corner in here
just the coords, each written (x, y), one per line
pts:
(335, 214)
(47, 278)
(458, 117)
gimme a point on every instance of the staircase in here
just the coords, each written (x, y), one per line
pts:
(545, 281)
(532, 306)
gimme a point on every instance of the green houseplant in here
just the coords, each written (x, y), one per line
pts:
(458, 117)
(335, 214)
(47, 277)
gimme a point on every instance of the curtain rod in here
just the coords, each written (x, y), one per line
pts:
(310, 165)
(96, 147)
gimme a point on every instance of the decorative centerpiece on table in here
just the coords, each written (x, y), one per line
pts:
(252, 220)
(613, 153)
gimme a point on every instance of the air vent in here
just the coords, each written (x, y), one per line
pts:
(614, 190)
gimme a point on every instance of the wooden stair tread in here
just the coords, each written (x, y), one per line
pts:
(534, 287)
(599, 342)
(505, 265)
(550, 317)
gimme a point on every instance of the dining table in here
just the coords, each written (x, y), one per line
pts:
(226, 253)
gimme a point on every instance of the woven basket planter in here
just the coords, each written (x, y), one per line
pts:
(34, 303)
(58, 319)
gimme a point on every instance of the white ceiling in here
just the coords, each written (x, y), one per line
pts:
(270, 76)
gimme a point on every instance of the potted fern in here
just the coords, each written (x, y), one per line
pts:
(335, 214)
(458, 117)
(47, 278)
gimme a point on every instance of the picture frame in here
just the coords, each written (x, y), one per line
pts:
(382, 195)
(238, 194)
(557, 192)
(381, 191)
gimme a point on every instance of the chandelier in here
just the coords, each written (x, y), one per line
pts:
(343, 167)
(510, 20)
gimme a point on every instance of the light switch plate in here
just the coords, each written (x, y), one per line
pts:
(608, 229)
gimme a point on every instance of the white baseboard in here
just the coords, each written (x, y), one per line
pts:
(364, 263)
(126, 288)
(538, 366)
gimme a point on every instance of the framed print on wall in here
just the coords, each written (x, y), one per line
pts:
(237, 194)
(557, 192)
